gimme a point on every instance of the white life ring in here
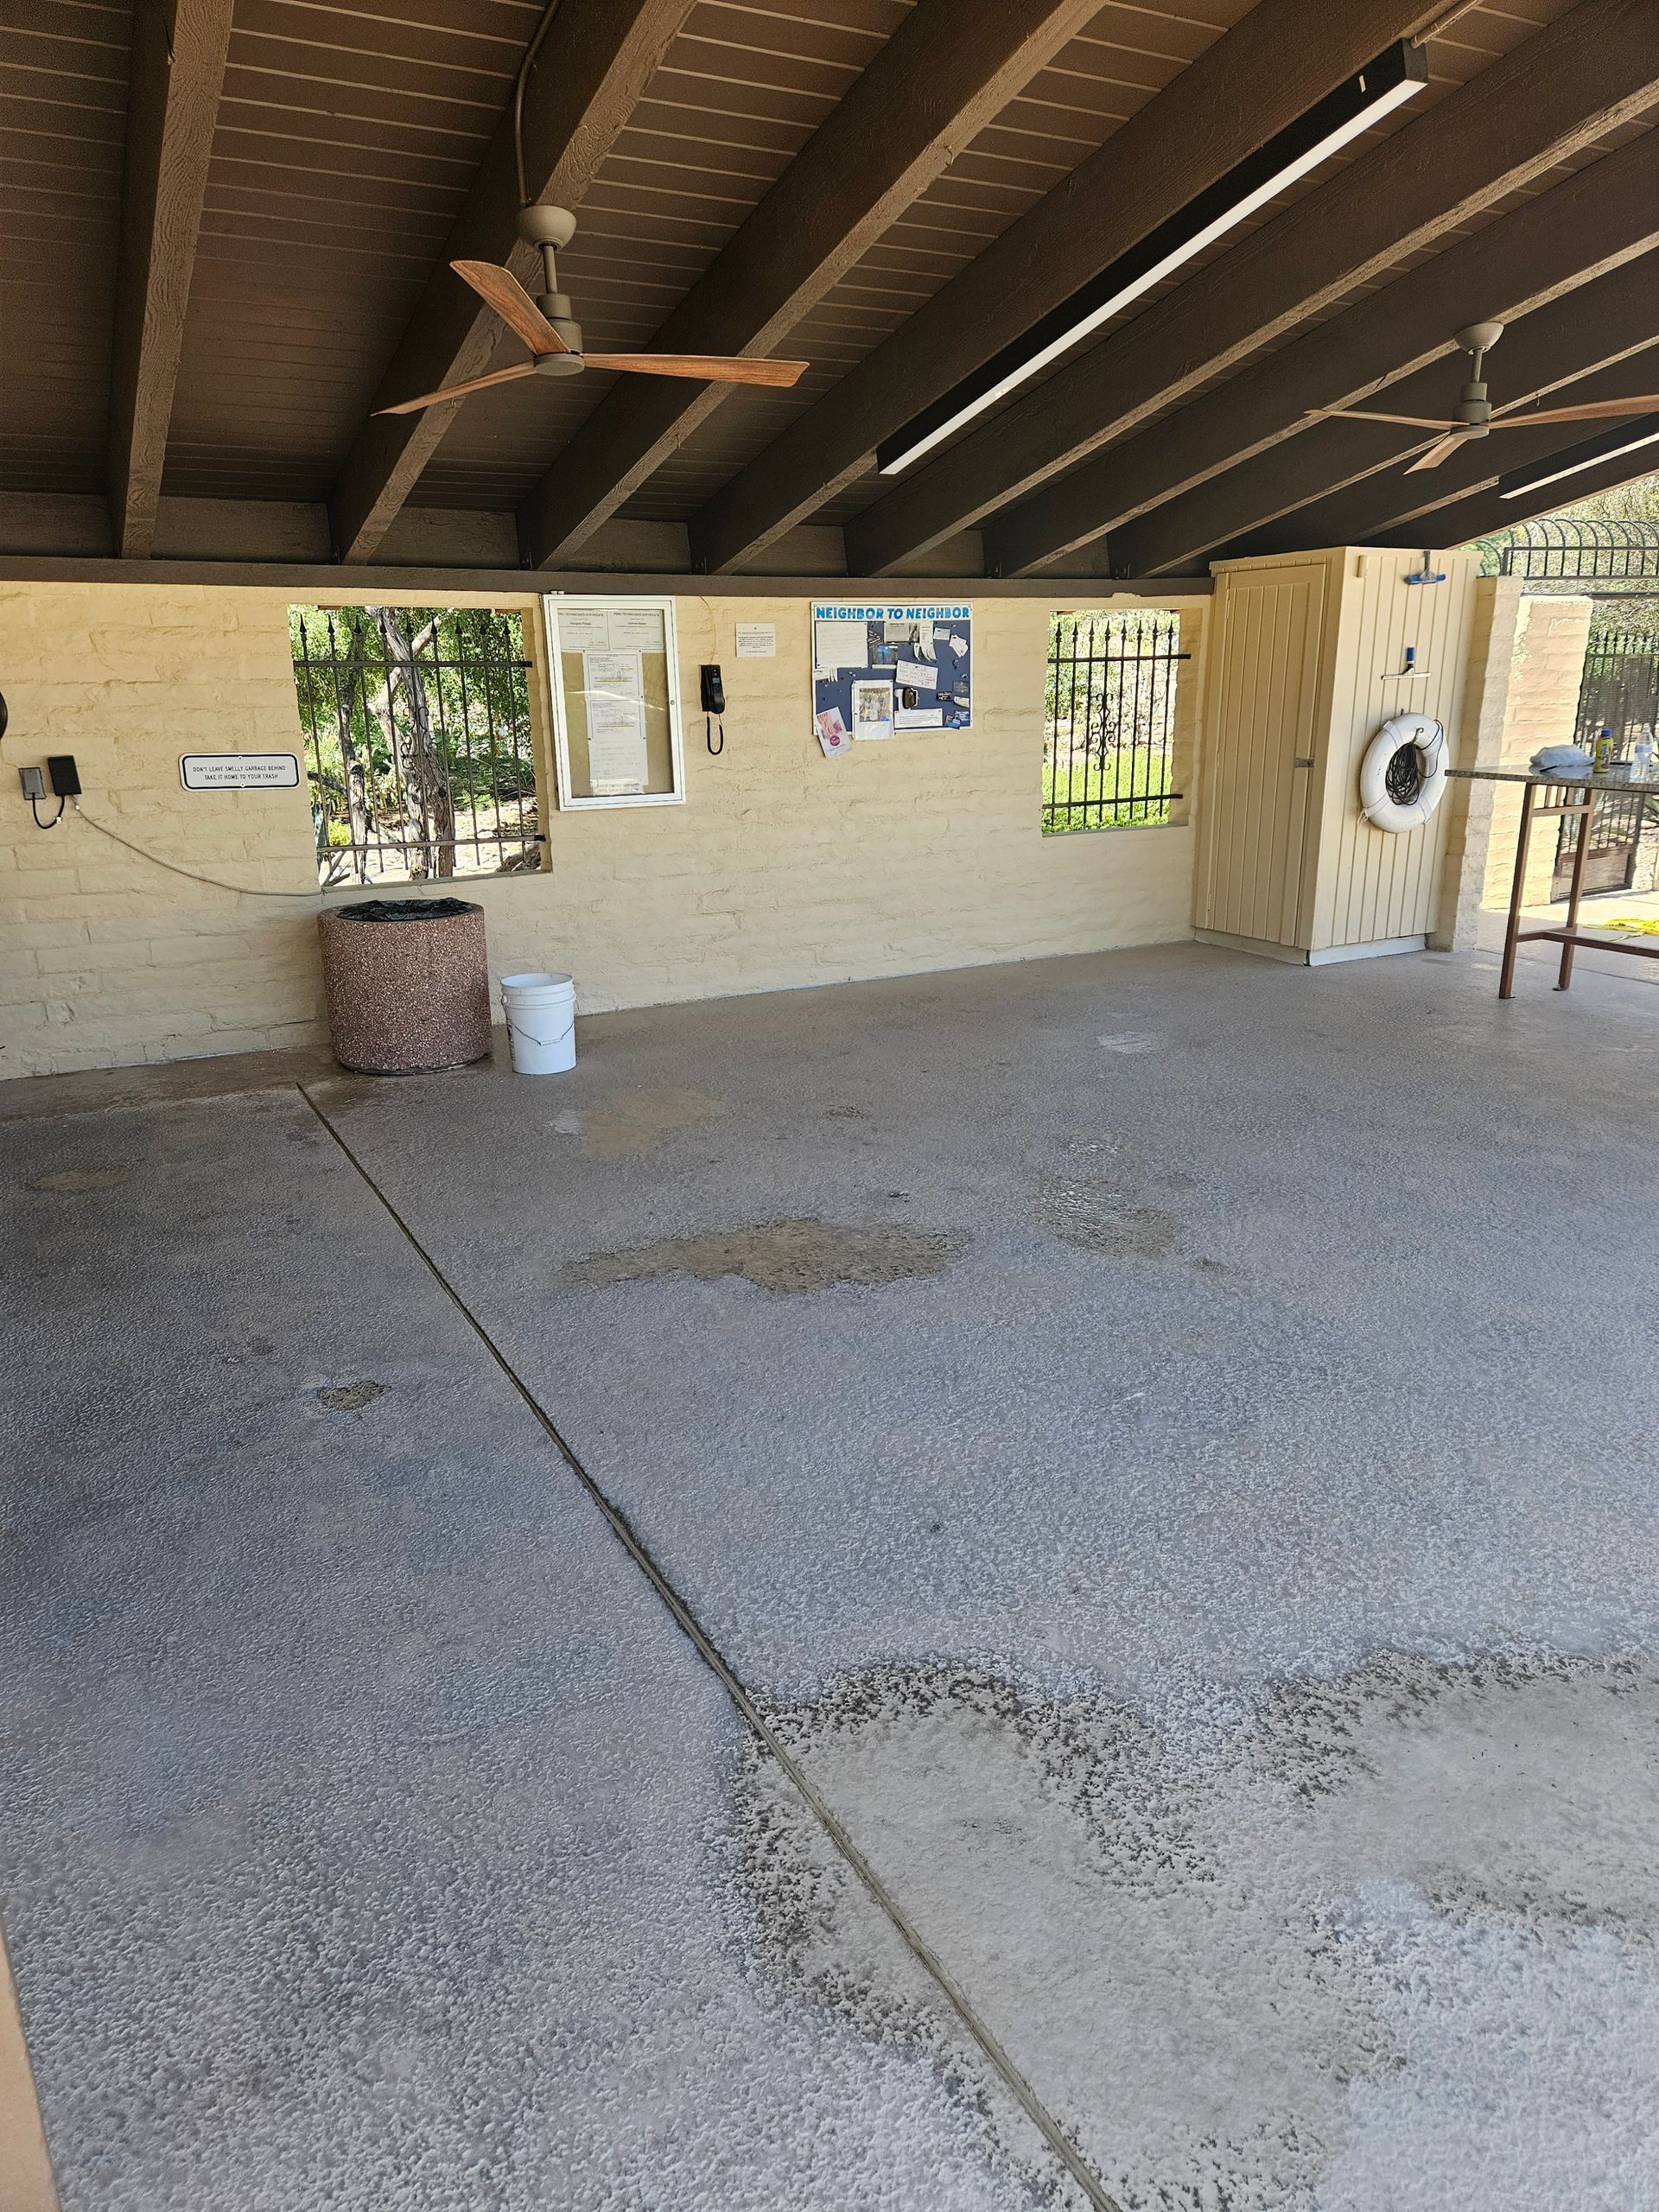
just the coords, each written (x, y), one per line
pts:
(1376, 802)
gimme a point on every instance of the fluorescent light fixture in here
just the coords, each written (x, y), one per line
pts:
(1629, 437)
(1380, 87)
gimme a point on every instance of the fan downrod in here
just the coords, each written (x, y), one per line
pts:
(1474, 406)
(550, 230)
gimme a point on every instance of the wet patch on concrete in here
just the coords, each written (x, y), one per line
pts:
(1093, 1214)
(350, 1397)
(781, 1256)
(1390, 1944)
(625, 1127)
(69, 1182)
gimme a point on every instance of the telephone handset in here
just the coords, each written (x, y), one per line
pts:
(713, 705)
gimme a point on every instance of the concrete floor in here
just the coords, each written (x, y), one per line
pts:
(1159, 1447)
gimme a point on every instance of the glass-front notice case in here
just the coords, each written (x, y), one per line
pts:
(616, 701)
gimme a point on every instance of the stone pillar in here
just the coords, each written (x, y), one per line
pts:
(1546, 673)
(1526, 666)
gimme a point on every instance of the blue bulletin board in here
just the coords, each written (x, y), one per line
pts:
(889, 669)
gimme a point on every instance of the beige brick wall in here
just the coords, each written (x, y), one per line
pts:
(1545, 668)
(781, 869)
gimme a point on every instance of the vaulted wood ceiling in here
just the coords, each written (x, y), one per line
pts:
(225, 227)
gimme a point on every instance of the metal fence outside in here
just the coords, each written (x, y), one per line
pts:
(419, 744)
(1620, 558)
(1618, 693)
(1109, 721)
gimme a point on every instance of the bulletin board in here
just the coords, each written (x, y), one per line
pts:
(899, 668)
(616, 703)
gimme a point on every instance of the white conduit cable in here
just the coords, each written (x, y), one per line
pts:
(1444, 21)
(217, 883)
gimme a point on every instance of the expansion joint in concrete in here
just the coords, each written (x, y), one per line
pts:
(749, 1709)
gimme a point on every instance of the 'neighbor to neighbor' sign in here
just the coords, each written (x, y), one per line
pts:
(239, 771)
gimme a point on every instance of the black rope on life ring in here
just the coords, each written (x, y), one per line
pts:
(1403, 777)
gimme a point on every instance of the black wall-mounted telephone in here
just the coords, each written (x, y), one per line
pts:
(713, 703)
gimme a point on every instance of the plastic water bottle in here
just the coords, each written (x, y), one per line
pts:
(1642, 757)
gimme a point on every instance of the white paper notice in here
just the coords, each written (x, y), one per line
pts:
(636, 629)
(583, 629)
(611, 671)
(841, 644)
(920, 675)
(958, 644)
(615, 694)
(919, 718)
(757, 641)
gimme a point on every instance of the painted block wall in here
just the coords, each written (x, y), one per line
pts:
(782, 869)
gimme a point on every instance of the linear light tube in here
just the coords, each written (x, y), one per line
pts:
(1395, 77)
(1535, 483)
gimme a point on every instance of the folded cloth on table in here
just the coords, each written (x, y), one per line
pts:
(1562, 761)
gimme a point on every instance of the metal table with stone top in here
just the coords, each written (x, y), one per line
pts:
(1569, 936)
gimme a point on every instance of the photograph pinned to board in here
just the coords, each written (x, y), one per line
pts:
(871, 708)
(616, 706)
(892, 668)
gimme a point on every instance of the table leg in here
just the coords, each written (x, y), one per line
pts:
(1576, 890)
(1523, 838)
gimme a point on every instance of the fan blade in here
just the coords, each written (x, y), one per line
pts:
(714, 368)
(1366, 415)
(1593, 410)
(1436, 454)
(460, 390)
(502, 291)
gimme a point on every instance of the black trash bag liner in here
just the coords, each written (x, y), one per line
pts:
(406, 910)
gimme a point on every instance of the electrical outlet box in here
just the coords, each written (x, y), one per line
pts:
(33, 781)
(66, 777)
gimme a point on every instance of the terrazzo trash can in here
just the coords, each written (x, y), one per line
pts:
(408, 983)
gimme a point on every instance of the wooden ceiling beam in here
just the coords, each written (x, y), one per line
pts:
(1561, 90)
(1593, 329)
(586, 81)
(1256, 78)
(177, 75)
(1392, 504)
(947, 71)
(1481, 512)
(1595, 221)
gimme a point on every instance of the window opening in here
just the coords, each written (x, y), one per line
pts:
(1109, 719)
(419, 744)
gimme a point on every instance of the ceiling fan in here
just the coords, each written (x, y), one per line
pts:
(1474, 415)
(554, 338)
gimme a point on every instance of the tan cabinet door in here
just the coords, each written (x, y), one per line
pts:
(1263, 714)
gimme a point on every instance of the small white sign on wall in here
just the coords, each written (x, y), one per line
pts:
(239, 771)
(757, 641)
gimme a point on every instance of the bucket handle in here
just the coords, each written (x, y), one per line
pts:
(520, 1027)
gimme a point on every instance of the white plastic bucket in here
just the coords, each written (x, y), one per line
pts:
(541, 1012)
